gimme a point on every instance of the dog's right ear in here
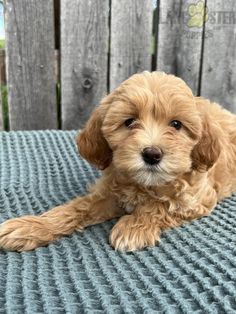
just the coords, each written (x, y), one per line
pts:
(91, 142)
(207, 151)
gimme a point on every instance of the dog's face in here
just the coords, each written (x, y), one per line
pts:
(150, 129)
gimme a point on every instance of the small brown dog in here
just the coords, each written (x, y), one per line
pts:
(167, 157)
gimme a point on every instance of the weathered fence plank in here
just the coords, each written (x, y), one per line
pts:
(219, 59)
(2, 67)
(179, 39)
(84, 50)
(204, 55)
(29, 60)
(1, 115)
(2, 81)
(131, 39)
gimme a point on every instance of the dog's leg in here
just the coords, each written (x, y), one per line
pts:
(29, 232)
(141, 228)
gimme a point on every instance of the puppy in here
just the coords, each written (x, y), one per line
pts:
(167, 158)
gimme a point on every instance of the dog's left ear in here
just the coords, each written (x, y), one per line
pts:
(207, 150)
(91, 142)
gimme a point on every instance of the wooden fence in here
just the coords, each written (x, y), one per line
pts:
(63, 56)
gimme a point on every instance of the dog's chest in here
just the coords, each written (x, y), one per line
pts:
(127, 204)
(130, 198)
(129, 208)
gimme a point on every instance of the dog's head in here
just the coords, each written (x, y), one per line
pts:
(151, 129)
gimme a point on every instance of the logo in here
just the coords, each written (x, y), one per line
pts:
(198, 14)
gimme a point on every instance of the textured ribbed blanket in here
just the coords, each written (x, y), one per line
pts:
(192, 270)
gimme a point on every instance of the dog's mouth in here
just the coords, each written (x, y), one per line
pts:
(152, 175)
(152, 169)
(143, 168)
(148, 176)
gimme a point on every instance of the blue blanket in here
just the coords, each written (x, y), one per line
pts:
(192, 270)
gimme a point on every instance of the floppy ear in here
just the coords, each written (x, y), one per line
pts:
(207, 150)
(91, 142)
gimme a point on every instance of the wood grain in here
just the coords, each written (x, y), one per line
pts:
(179, 46)
(219, 59)
(131, 39)
(30, 68)
(84, 51)
(1, 111)
(3, 80)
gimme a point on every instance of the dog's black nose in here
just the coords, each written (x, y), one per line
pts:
(152, 155)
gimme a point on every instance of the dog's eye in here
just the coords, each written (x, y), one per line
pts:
(129, 122)
(176, 124)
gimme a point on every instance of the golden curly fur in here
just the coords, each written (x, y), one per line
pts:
(197, 166)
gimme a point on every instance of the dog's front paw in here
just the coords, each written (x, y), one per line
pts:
(24, 234)
(129, 235)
